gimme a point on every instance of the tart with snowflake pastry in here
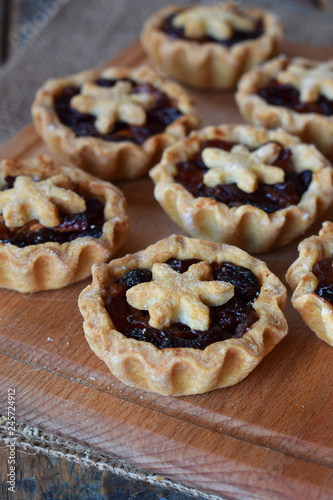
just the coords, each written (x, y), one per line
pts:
(55, 222)
(183, 316)
(293, 93)
(243, 185)
(113, 123)
(311, 279)
(210, 46)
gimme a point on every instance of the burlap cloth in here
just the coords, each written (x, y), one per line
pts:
(81, 34)
(87, 33)
(33, 441)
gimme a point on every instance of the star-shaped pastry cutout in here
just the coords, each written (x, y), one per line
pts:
(30, 199)
(242, 166)
(112, 104)
(218, 21)
(311, 81)
(171, 297)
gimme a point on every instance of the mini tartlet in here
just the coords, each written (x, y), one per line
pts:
(210, 46)
(311, 279)
(113, 123)
(243, 185)
(168, 279)
(55, 222)
(293, 93)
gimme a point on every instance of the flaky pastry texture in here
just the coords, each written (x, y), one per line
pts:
(51, 265)
(180, 371)
(315, 310)
(109, 160)
(245, 226)
(310, 127)
(209, 64)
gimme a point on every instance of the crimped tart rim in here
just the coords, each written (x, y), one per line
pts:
(107, 159)
(205, 217)
(159, 368)
(23, 268)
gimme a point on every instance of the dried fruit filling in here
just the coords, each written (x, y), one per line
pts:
(278, 94)
(267, 197)
(229, 320)
(237, 36)
(163, 114)
(88, 223)
(323, 270)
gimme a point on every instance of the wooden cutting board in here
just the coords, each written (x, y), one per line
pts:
(268, 437)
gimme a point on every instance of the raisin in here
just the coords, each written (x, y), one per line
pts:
(323, 270)
(139, 275)
(88, 223)
(326, 292)
(181, 266)
(278, 94)
(237, 36)
(163, 114)
(229, 320)
(244, 280)
(267, 197)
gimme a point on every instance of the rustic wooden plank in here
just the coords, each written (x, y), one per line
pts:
(280, 414)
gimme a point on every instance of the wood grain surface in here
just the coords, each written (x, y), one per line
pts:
(268, 437)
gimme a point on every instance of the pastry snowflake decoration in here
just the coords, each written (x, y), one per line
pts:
(110, 105)
(311, 80)
(42, 200)
(242, 166)
(217, 21)
(171, 297)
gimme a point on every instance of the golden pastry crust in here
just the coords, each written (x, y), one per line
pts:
(52, 265)
(315, 310)
(180, 371)
(245, 226)
(310, 127)
(106, 159)
(210, 64)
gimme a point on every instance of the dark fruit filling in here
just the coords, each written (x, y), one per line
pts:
(88, 223)
(175, 32)
(163, 114)
(323, 270)
(267, 197)
(229, 320)
(278, 94)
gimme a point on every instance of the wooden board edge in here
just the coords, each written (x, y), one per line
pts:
(183, 452)
(248, 433)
